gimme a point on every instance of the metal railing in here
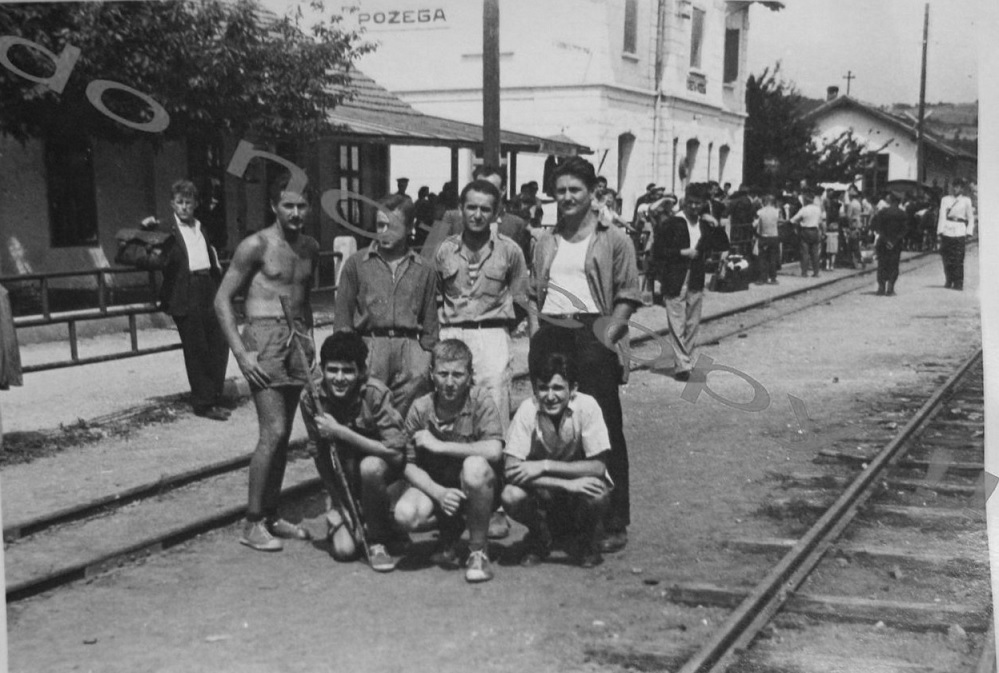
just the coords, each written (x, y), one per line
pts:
(35, 292)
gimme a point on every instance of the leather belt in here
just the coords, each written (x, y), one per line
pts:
(394, 332)
(481, 324)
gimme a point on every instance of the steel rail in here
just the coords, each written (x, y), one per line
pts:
(766, 599)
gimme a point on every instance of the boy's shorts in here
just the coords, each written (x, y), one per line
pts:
(270, 339)
(560, 508)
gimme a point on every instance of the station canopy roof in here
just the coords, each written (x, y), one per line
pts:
(375, 115)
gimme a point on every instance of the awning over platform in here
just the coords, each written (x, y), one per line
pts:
(377, 116)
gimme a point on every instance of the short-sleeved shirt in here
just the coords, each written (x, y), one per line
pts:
(370, 414)
(582, 434)
(483, 286)
(477, 421)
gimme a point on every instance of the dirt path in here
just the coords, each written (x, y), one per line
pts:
(698, 479)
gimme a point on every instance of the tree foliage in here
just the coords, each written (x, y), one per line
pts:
(214, 66)
(778, 134)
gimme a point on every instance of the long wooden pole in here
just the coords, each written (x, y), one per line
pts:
(490, 83)
(920, 150)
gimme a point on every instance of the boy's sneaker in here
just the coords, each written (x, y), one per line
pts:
(256, 536)
(477, 567)
(380, 560)
(286, 529)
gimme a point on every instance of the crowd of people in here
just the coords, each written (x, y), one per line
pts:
(408, 402)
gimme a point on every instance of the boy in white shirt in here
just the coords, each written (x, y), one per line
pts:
(554, 456)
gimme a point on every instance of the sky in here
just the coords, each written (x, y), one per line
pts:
(879, 41)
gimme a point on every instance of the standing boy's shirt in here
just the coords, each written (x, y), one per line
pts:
(370, 414)
(478, 420)
(581, 435)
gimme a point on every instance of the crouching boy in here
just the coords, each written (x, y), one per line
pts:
(355, 414)
(452, 460)
(556, 479)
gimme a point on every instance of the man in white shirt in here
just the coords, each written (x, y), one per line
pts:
(956, 223)
(191, 277)
(811, 229)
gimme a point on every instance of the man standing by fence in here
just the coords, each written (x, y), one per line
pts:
(191, 275)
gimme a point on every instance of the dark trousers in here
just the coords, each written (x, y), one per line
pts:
(599, 376)
(206, 352)
(952, 252)
(811, 249)
(888, 263)
(769, 257)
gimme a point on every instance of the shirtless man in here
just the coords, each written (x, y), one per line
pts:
(276, 262)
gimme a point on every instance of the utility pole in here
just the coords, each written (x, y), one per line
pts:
(490, 83)
(920, 150)
(848, 77)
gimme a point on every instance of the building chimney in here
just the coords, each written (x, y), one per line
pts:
(832, 92)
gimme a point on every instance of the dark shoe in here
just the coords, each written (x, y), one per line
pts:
(815, 275)
(286, 529)
(537, 546)
(379, 559)
(613, 541)
(590, 556)
(959, 288)
(214, 413)
(399, 544)
(447, 556)
(880, 292)
(773, 281)
(682, 376)
(499, 525)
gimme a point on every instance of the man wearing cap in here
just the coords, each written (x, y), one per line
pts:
(649, 196)
(957, 221)
(891, 224)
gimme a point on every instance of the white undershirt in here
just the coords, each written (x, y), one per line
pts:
(694, 231)
(197, 248)
(567, 287)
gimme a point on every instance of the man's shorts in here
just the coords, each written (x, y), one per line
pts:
(450, 477)
(269, 338)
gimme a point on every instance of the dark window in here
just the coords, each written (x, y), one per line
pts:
(69, 176)
(696, 37)
(630, 26)
(876, 175)
(349, 168)
(731, 55)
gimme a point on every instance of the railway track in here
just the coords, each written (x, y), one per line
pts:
(59, 547)
(897, 551)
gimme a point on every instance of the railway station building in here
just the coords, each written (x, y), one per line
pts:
(656, 88)
(895, 139)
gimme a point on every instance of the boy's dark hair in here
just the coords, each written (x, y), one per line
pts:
(578, 168)
(344, 347)
(555, 363)
(482, 187)
(551, 354)
(185, 188)
(451, 350)
(280, 184)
